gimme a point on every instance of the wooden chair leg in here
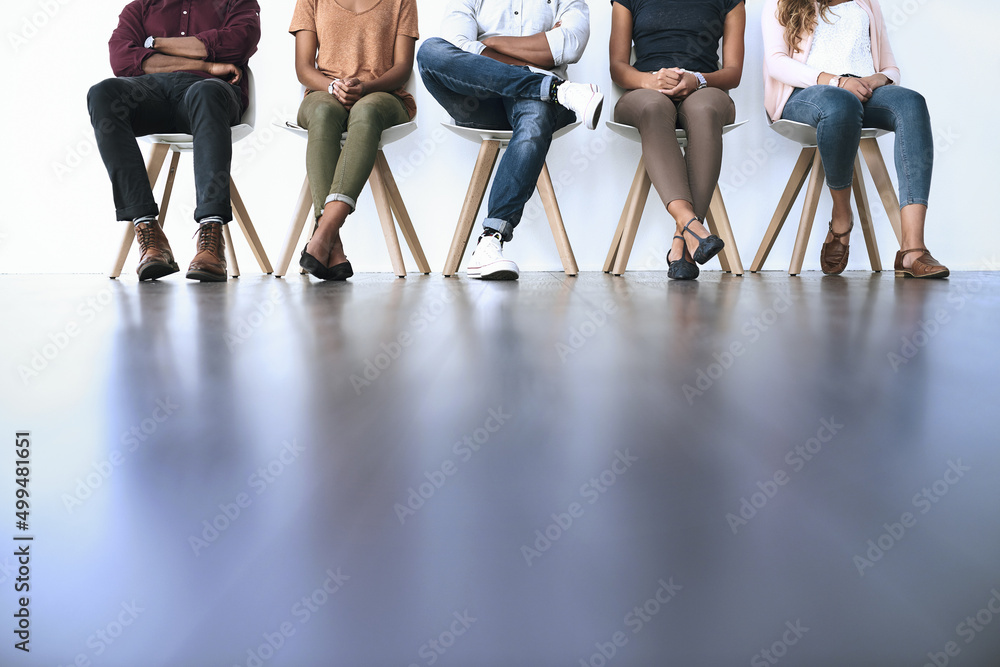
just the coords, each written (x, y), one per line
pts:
(616, 240)
(718, 222)
(168, 188)
(635, 209)
(402, 216)
(886, 191)
(153, 167)
(809, 206)
(234, 266)
(551, 205)
(795, 182)
(714, 229)
(488, 152)
(384, 209)
(865, 215)
(295, 227)
(243, 218)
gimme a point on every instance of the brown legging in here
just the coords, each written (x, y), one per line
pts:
(692, 175)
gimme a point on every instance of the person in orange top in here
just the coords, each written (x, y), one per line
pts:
(353, 57)
(828, 64)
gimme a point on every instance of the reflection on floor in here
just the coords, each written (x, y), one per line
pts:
(558, 471)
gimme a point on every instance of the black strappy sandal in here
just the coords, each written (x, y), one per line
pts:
(682, 268)
(708, 246)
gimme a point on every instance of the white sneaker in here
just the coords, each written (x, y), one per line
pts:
(583, 99)
(487, 262)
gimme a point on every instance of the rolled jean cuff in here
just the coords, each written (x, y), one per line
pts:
(842, 187)
(496, 225)
(911, 200)
(221, 210)
(130, 213)
(547, 82)
(344, 198)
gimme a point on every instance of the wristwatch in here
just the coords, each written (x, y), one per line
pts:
(835, 81)
(150, 43)
(702, 83)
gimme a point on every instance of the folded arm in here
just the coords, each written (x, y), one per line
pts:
(216, 52)
(529, 50)
(159, 63)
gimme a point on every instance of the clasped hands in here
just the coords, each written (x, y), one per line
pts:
(347, 91)
(673, 82)
(863, 87)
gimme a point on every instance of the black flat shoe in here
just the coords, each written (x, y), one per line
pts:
(341, 271)
(313, 265)
(683, 268)
(708, 246)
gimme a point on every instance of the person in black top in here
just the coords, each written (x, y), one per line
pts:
(677, 81)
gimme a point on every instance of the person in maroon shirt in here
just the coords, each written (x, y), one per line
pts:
(180, 67)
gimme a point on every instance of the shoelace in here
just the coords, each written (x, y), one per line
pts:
(491, 252)
(209, 238)
(145, 237)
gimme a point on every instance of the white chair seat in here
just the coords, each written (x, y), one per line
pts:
(805, 134)
(479, 135)
(389, 135)
(631, 132)
(185, 142)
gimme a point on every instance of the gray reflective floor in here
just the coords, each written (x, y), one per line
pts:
(558, 471)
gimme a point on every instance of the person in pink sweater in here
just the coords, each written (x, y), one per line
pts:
(829, 64)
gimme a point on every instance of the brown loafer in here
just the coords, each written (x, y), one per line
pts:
(833, 255)
(924, 266)
(156, 259)
(209, 265)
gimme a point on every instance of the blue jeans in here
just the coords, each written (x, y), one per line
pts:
(838, 117)
(480, 92)
(124, 108)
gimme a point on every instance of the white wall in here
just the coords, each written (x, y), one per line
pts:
(56, 212)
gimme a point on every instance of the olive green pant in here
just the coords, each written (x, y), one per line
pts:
(335, 173)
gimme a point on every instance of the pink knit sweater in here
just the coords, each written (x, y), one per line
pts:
(784, 72)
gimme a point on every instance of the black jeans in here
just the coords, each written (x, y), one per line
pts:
(124, 108)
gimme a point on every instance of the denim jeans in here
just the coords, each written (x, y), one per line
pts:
(480, 92)
(838, 117)
(124, 108)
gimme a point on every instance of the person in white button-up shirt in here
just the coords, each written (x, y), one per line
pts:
(502, 66)
(468, 24)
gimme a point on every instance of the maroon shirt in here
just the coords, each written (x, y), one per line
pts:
(229, 29)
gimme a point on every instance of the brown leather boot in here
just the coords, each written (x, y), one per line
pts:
(924, 266)
(156, 259)
(209, 265)
(833, 255)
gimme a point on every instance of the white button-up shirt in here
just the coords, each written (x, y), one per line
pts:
(467, 22)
